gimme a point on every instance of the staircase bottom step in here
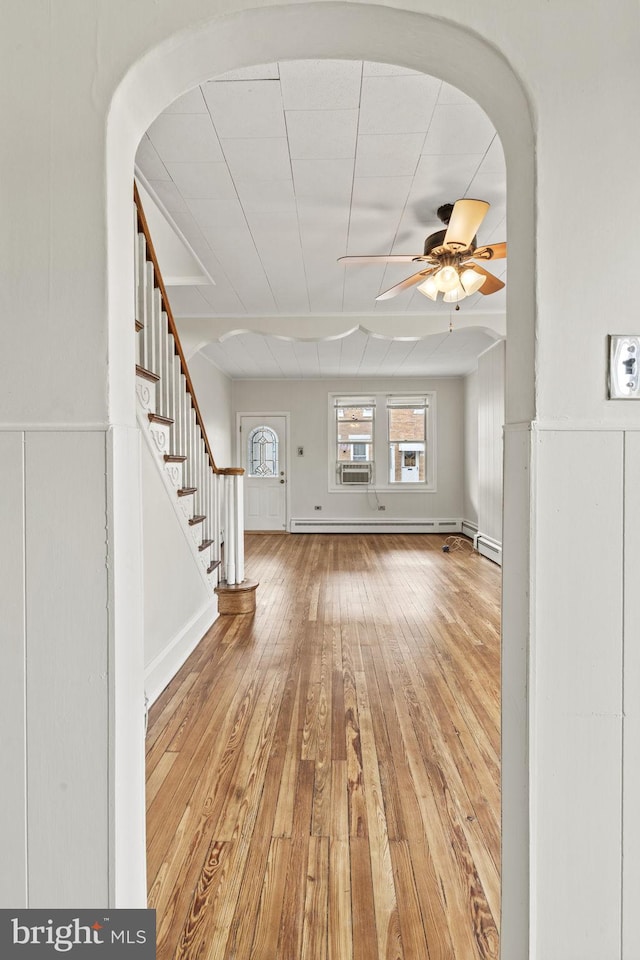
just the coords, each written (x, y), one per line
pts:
(237, 598)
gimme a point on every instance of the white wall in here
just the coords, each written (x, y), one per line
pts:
(178, 605)
(307, 402)
(213, 390)
(470, 502)
(490, 446)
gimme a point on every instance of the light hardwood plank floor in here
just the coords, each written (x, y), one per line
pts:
(323, 778)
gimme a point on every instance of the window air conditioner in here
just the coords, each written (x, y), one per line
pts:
(355, 472)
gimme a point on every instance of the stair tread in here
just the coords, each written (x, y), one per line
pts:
(156, 418)
(147, 374)
(197, 519)
(139, 326)
(174, 458)
(186, 491)
(213, 565)
(205, 544)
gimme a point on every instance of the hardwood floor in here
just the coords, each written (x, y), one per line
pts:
(324, 777)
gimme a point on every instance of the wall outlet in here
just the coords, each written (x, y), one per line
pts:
(381, 506)
(317, 508)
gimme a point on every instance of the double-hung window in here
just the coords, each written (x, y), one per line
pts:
(354, 426)
(407, 439)
(382, 441)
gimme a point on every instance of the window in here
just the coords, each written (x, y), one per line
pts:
(407, 429)
(262, 452)
(354, 422)
(399, 454)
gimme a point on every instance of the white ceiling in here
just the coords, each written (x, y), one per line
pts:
(269, 174)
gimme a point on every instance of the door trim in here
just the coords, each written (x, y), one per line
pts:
(287, 418)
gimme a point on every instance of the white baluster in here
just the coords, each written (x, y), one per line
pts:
(137, 263)
(229, 532)
(185, 404)
(141, 294)
(166, 373)
(239, 522)
(208, 524)
(215, 512)
(156, 316)
(159, 348)
(149, 290)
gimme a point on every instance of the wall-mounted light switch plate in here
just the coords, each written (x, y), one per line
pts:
(624, 367)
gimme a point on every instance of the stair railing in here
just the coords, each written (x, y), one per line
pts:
(218, 506)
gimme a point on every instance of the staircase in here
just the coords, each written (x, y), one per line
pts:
(208, 498)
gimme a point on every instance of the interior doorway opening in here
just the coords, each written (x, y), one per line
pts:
(361, 33)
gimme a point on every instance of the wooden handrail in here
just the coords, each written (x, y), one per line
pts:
(143, 226)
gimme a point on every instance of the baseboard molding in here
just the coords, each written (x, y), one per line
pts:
(166, 664)
(375, 525)
(469, 529)
(488, 547)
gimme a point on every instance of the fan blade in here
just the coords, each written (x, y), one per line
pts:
(492, 251)
(409, 282)
(391, 258)
(491, 284)
(465, 219)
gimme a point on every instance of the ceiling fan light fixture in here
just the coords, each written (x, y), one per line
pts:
(446, 279)
(452, 296)
(471, 281)
(429, 288)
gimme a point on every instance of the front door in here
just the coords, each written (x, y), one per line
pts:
(263, 441)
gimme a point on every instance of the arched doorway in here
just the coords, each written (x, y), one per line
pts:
(443, 49)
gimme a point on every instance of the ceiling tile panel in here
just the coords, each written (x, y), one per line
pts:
(255, 196)
(388, 155)
(222, 299)
(237, 255)
(327, 181)
(206, 181)
(258, 160)
(312, 84)
(322, 134)
(397, 104)
(149, 162)
(329, 352)
(459, 128)
(324, 285)
(441, 179)
(213, 215)
(451, 94)
(307, 356)
(362, 283)
(247, 109)
(190, 102)
(493, 161)
(185, 136)
(168, 196)
(387, 70)
(188, 302)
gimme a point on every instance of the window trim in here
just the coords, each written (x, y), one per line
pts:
(381, 442)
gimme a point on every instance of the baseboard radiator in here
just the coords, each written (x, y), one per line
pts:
(374, 525)
(488, 547)
(469, 529)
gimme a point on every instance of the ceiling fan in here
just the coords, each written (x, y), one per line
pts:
(448, 257)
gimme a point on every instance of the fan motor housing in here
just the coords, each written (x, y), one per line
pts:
(434, 244)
